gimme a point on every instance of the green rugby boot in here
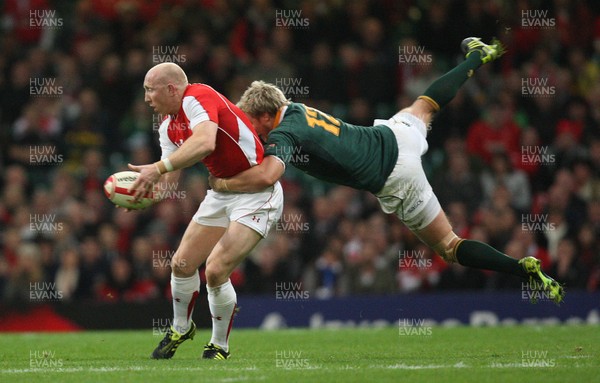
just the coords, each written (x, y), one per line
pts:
(539, 281)
(212, 351)
(167, 347)
(488, 52)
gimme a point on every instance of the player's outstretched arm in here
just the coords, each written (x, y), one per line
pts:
(255, 179)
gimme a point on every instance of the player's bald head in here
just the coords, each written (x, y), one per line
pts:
(167, 73)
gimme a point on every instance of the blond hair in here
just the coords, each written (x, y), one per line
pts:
(262, 97)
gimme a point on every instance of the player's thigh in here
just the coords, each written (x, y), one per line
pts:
(229, 252)
(196, 245)
(435, 231)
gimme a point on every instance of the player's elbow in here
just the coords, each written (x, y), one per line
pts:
(207, 147)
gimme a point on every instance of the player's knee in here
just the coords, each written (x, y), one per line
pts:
(446, 248)
(181, 266)
(216, 272)
(421, 109)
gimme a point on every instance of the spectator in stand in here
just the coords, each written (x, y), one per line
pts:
(161, 278)
(108, 235)
(68, 275)
(588, 244)
(360, 112)
(144, 258)
(571, 130)
(585, 72)
(495, 132)
(499, 217)
(593, 99)
(458, 214)
(586, 184)
(543, 114)
(16, 94)
(458, 183)
(516, 182)
(269, 67)
(221, 67)
(419, 269)
(567, 267)
(375, 85)
(369, 274)
(321, 77)
(562, 196)
(536, 160)
(28, 270)
(94, 268)
(594, 151)
(557, 230)
(126, 224)
(454, 120)
(35, 138)
(86, 129)
(265, 270)
(119, 283)
(323, 278)
(114, 92)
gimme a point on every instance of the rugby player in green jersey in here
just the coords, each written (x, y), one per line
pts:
(384, 159)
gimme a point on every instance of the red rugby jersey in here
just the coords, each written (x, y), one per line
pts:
(238, 146)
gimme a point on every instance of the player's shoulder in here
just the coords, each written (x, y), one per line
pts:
(292, 111)
(197, 89)
(296, 107)
(201, 91)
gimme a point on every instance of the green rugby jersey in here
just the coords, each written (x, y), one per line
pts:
(332, 150)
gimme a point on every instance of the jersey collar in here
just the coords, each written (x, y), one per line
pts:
(279, 116)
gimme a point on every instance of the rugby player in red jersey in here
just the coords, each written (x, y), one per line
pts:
(201, 125)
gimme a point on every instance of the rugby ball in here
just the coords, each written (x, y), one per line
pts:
(116, 188)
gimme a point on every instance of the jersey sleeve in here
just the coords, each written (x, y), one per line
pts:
(166, 145)
(281, 145)
(199, 108)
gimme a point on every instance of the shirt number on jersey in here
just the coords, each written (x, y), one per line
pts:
(325, 121)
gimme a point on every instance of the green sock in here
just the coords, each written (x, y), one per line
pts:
(482, 256)
(443, 90)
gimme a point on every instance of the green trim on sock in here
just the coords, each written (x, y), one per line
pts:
(443, 90)
(482, 256)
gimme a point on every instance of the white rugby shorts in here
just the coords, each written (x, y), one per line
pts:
(406, 192)
(259, 211)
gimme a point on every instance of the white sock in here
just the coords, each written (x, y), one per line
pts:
(221, 301)
(184, 291)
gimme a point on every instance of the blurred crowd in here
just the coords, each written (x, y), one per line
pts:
(514, 159)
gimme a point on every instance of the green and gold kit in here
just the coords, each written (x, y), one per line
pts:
(329, 149)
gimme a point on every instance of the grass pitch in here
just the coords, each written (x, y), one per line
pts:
(460, 354)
